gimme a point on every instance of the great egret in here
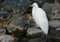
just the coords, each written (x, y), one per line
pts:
(40, 17)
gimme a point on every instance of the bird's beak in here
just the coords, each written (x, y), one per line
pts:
(30, 5)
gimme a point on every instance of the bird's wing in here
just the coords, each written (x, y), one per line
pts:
(42, 12)
(41, 19)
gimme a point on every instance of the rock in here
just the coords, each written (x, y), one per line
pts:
(32, 31)
(58, 28)
(50, 1)
(55, 12)
(58, 1)
(54, 23)
(52, 10)
(48, 9)
(35, 40)
(55, 34)
(2, 31)
(1, 1)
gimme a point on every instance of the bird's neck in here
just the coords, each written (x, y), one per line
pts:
(35, 7)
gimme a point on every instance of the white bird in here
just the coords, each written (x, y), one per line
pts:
(40, 17)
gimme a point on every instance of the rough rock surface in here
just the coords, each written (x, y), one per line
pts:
(52, 10)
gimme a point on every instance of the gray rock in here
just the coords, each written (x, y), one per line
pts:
(32, 31)
(47, 8)
(35, 40)
(2, 31)
(54, 23)
(58, 28)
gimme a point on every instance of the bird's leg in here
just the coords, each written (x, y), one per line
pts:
(43, 38)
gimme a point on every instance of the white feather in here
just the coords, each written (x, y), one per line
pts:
(40, 18)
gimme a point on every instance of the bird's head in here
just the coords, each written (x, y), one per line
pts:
(34, 5)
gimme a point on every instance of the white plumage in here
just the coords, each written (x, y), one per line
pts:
(40, 17)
